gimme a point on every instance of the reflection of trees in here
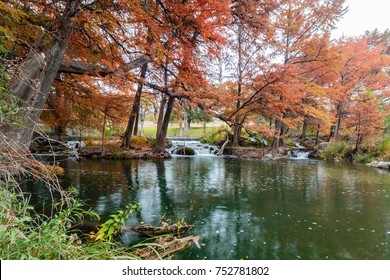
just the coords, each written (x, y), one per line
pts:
(101, 184)
(167, 206)
(263, 210)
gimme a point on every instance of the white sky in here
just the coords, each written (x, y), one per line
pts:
(364, 15)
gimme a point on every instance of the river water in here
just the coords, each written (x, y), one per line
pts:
(241, 209)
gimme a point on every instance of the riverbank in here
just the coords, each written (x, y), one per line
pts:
(249, 153)
(95, 152)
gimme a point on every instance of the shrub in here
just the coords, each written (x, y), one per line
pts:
(121, 155)
(258, 140)
(336, 150)
(363, 158)
(215, 138)
(140, 141)
(384, 149)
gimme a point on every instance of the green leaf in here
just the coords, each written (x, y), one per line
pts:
(110, 231)
(14, 232)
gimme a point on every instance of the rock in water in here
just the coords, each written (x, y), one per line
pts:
(380, 164)
(184, 151)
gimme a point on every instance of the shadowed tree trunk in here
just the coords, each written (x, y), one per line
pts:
(339, 115)
(131, 124)
(318, 135)
(35, 78)
(161, 137)
(161, 113)
(304, 129)
(36, 75)
(33, 82)
(237, 128)
(279, 136)
(104, 130)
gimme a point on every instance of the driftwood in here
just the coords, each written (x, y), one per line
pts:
(85, 228)
(220, 152)
(43, 145)
(166, 247)
(151, 231)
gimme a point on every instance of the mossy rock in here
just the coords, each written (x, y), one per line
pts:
(184, 151)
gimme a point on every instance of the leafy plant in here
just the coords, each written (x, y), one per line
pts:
(116, 223)
(258, 139)
(363, 158)
(140, 141)
(215, 138)
(25, 234)
(336, 150)
(384, 149)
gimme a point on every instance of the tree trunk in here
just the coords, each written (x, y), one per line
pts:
(58, 131)
(237, 125)
(126, 142)
(161, 114)
(180, 127)
(220, 152)
(36, 76)
(136, 123)
(104, 132)
(304, 129)
(160, 141)
(142, 122)
(337, 129)
(279, 135)
(317, 135)
(81, 138)
(237, 128)
(186, 123)
(339, 115)
(359, 140)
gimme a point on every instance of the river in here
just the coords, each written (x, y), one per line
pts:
(242, 209)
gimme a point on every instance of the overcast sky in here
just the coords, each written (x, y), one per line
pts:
(364, 15)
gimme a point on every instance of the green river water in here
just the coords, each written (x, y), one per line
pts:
(241, 209)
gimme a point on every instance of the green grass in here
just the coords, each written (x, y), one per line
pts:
(27, 235)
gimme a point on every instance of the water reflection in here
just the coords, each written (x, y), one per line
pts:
(244, 209)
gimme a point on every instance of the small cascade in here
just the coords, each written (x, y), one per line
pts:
(298, 145)
(299, 154)
(192, 147)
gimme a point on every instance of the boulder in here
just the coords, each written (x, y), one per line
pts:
(380, 164)
(267, 157)
(184, 151)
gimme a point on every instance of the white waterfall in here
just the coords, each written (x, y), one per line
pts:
(198, 148)
(299, 154)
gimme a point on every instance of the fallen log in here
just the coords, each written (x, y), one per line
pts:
(85, 228)
(151, 231)
(166, 247)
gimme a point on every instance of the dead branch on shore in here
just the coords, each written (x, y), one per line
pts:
(166, 247)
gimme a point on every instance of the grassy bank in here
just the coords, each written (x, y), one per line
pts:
(26, 235)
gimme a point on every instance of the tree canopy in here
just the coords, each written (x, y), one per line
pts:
(266, 66)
